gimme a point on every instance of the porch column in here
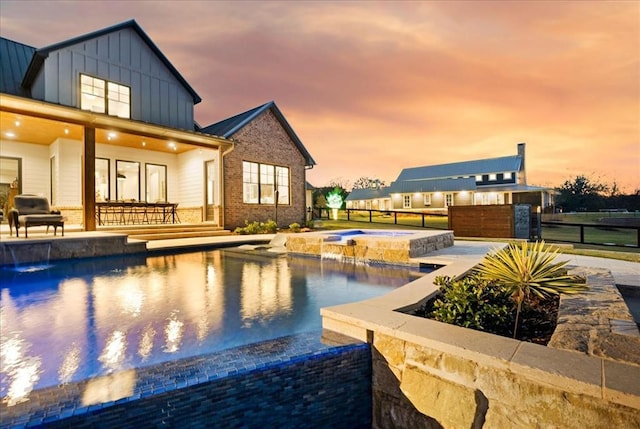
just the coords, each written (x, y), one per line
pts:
(88, 185)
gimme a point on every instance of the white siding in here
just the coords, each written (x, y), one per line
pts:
(122, 57)
(191, 181)
(68, 156)
(114, 153)
(35, 165)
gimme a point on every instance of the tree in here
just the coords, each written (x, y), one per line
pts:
(365, 182)
(582, 194)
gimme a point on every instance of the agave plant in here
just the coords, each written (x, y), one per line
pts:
(528, 269)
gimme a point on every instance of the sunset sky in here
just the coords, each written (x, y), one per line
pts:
(374, 87)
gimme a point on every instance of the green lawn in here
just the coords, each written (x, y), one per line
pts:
(621, 253)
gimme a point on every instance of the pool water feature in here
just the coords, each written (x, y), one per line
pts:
(370, 246)
(101, 317)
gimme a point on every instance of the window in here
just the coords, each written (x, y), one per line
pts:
(92, 94)
(507, 175)
(156, 183)
(448, 200)
(102, 179)
(479, 178)
(261, 181)
(427, 199)
(250, 182)
(119, 100)
(493, 176)
(101, 96)
(267, 182)
(127, 180)
(282, 179)
(406, 201)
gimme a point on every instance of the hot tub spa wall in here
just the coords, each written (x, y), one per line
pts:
(387, 249)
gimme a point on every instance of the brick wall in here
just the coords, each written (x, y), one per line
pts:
(264, 141)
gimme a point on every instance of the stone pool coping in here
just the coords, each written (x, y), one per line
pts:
(613, 381)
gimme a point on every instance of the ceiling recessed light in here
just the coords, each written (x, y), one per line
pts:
(66, 130)
(10, 134)
(17, 123)
(144, 143)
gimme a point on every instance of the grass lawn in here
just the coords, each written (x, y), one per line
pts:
(621, 253)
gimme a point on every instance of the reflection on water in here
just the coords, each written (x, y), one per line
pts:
(108, 316)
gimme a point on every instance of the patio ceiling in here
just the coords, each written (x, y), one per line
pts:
(41, 123)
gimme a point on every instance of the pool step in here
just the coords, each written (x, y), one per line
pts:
(167, 232)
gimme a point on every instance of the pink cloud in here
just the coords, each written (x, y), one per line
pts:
(406, 83)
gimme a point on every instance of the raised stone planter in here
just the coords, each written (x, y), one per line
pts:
(428, 374)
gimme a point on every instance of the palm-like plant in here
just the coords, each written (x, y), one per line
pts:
(526, 269)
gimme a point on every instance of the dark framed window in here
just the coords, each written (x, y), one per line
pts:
(103, 179)
(155, 183)
(10, 177)
(101, 96)
(127, 180)
(262, 182)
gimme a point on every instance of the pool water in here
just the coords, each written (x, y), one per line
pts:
(85, 318)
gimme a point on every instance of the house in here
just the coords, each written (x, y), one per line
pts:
(105, 118)
(268, 163)
(434, 188)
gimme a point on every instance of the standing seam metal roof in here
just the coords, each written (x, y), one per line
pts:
(465, 168)
(14, 61)
(228, 127)
(40, 54)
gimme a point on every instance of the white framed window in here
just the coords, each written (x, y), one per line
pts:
(260, 181)
(448, 200)
(406, 201)
(119, 100)
(92, 94)
(427, 199)
(282, 181)
(250, 182)
(493, 176)
(101, 96)
(507, 175)
(479, 178)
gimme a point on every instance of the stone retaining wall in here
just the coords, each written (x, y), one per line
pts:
(428, 374)
(377, 248)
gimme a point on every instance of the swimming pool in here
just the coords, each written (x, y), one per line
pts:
(86, 318)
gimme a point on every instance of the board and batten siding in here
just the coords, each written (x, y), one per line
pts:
(122, 57)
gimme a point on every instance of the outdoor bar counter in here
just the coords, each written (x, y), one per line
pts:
(135, 212)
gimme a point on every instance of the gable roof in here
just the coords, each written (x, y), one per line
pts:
(465, 168)
(367, 194)
(41, 54)
(230, 126)
(14, 61)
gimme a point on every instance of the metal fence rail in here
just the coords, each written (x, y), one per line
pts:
(567, 232)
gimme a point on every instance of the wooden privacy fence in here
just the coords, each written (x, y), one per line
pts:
(491, 221)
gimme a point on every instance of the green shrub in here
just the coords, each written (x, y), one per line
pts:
(294, 227)
(528, 269)
(268, 227)
(472, 303)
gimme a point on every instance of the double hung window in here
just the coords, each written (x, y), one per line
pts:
(101, 96)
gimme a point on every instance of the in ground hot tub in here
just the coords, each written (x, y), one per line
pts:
(370, 245)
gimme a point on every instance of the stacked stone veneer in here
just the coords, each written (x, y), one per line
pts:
(428, 374)
(264, 140)
(25, 251)
(393, 250)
